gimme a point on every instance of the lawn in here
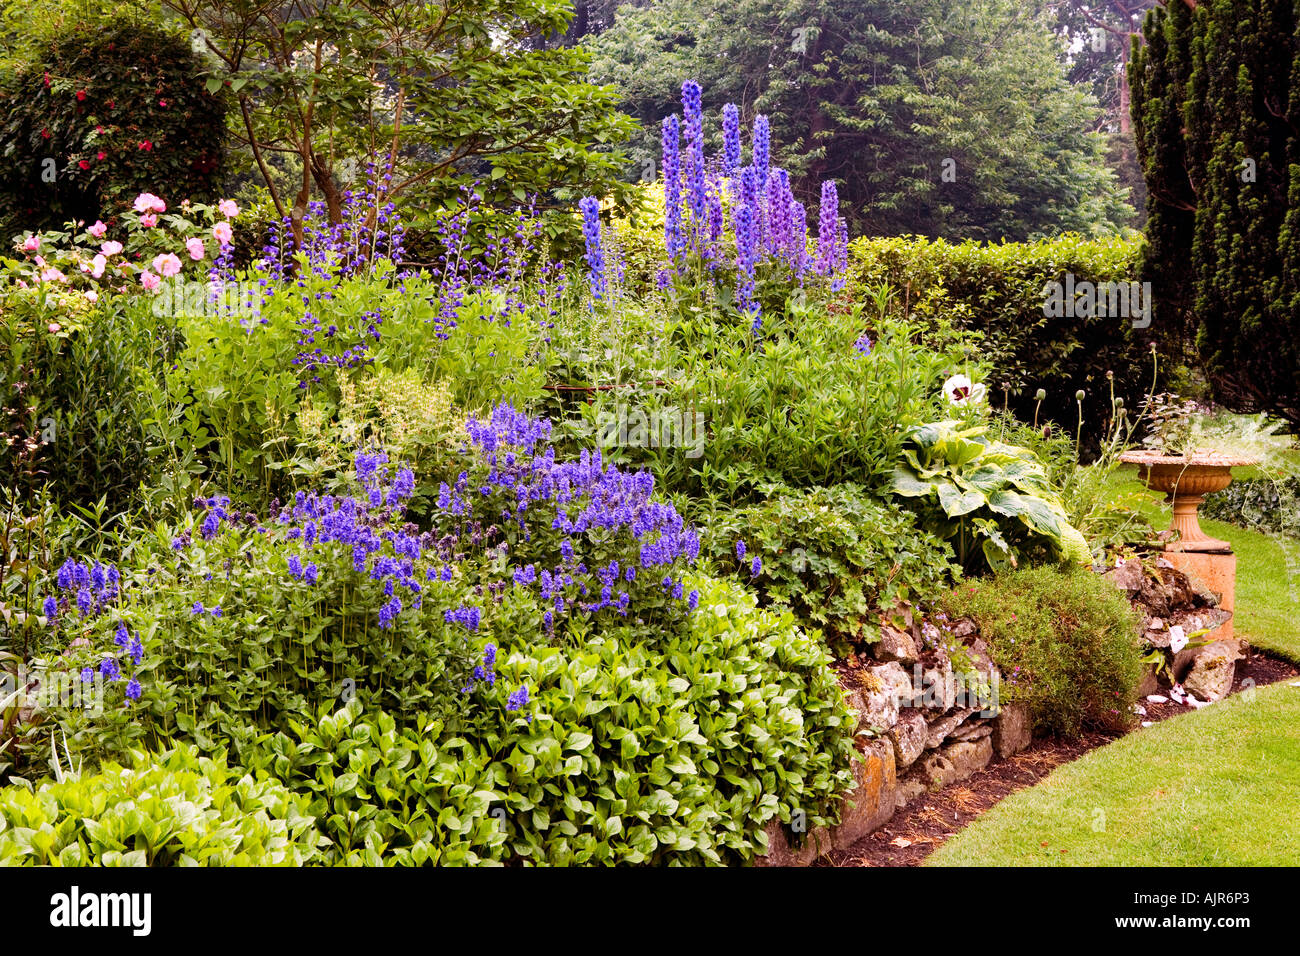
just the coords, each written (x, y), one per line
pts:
(1215, 787)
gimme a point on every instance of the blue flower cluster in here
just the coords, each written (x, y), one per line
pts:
(518, 477)
(766, 220)
(92, 588)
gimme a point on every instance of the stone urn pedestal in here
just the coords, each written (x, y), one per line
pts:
(1185, 480)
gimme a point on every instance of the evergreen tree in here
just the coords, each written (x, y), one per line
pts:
(1216, 91)
(941, 120)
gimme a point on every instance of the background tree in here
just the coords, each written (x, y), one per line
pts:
(942, 120)
(445, 92)
(1098, 37)
(1216, 97)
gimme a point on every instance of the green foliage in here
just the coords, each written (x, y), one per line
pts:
(1065, 641)
(174, 808)
(1261, 504)
(1000, 291)
(678, 751)
(977, 492)
(1216, 108)
(836, 556)
(101, 113)
(452, 94)
(935, 119)
(87, 387)
(804, 409)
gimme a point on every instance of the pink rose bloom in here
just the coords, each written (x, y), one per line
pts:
(168, 264)
(97, 266)
(150, 281)
(111, 248)
(148, 202)
(229, 208)
(53, 275)
(32, 243)
(92, 295)
(54, 327)
(148, 220)
(40, 261)
(98, 229)
(222, 233)
(195, 247)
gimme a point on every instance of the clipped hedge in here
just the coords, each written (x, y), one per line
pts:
(998, 290)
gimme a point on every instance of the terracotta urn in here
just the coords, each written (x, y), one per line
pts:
(1185, 480)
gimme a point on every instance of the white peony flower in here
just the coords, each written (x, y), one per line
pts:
(961, 390)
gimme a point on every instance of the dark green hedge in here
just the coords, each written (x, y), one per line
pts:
(999, 291)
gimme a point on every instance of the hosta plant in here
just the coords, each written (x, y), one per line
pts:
(993, 501)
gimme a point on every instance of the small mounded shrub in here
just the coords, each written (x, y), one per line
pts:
(164, 809)
(1065, 642)
(101, 115)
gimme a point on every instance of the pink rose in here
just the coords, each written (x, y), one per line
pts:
(222, 233)
(168, 264)
(150, 281)
(148, 220)
(111, 248)
(195, 248)
(32, 243)
(98, 229)
(97, 266)
(92, 295)
(148, 202)
(53, 275)
(54, 327)
(228, 208)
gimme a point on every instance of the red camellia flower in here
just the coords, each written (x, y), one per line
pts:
(100, 155)
(162, 103)
(146, 146)
(85, 164)
(47, 79)
(81, 95)
(45, 133)
(99, 130)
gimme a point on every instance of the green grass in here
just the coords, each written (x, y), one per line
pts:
(1268, 577)
(1217, 787)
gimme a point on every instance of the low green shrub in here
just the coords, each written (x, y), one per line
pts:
(174, 808)
(1065, 642)
(678, 753)
(1260, 504)
(836, 556)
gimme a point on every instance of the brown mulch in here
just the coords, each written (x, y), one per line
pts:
(926, 823)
